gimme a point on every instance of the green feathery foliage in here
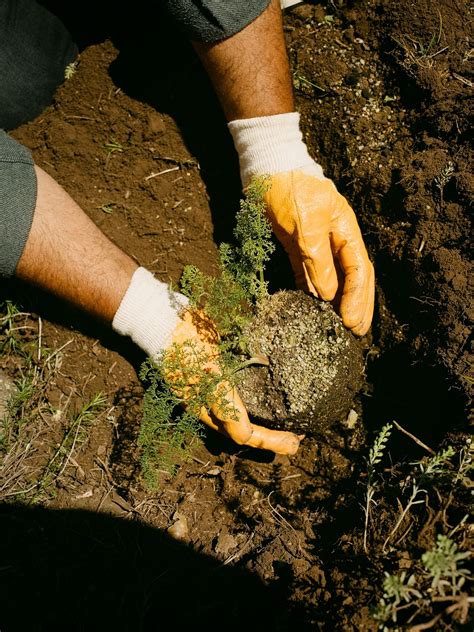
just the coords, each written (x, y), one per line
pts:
(171, 414)
(375, 456)
(441, 564)
(163, 431)
(229, 299)
(254, 236)
(432, 469)
(413, 595)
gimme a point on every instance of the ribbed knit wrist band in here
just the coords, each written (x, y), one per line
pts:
(149, 312)
(267, 145)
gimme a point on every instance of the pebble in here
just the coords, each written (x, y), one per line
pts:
(179, 530)
(7, 390)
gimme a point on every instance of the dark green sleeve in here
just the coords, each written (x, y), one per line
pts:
(17, 201)
(214, 20)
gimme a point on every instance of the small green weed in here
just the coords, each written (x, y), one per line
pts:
(113, 146)
(300, 82)
(438, 577)
(74, 435)
(443, 178)
(12, 329)
(375, 456)
(37, 442)
(108, 209)
(419, 53)
(434, 468)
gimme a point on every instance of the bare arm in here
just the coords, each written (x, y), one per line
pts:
(250, 70)
(67, 255)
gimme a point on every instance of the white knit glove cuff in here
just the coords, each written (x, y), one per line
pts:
(149, 312)
(267, 145)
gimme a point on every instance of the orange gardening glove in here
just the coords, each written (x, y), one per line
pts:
(315, 224)
(195, 338)
(318, 228)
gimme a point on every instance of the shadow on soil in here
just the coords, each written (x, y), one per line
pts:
(78, 570)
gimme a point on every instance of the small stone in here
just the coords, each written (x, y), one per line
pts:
(7, 390)
(214, 471)
(352, 418)
(179, 530)
(156, 125)
(225, 543)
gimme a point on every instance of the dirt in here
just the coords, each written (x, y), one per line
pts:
(315, 365)
(137, 138)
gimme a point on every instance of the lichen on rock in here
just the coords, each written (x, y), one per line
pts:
(315, 364)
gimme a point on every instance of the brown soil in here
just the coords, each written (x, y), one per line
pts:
(137, 138)
(315, 365)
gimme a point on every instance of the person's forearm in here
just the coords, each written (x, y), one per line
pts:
(250, 70)
(67, 255)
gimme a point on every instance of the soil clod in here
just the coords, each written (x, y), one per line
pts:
(315, 364)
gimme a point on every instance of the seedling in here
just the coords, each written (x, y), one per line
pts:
(74, 435)
(328, 20)
(375, 456)
(299, 82)
(435, 467)
(107, 208)
(229, 300)
(419, 53)
(112, 146)
(10, 329)
(443, 178)
(442, 566)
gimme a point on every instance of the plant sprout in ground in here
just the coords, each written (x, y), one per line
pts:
(375, 456)
(31, 464)
(229, 300)
(70, 70)
(441, 564)
(437, 584)
(10, 325)
(438, 581)
(435, 468)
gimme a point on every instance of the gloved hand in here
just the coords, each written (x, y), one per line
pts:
(314, 223)
(157, 320)
(196, 337)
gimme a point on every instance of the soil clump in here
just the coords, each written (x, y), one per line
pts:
(315, 364)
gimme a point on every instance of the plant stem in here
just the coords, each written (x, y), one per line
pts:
(368, 500)
(410, 503)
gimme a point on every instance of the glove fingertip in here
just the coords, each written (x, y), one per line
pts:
(325, 286)
(357, 313)
(352, 317)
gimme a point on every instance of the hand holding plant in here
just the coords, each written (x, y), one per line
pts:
(191, 368)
